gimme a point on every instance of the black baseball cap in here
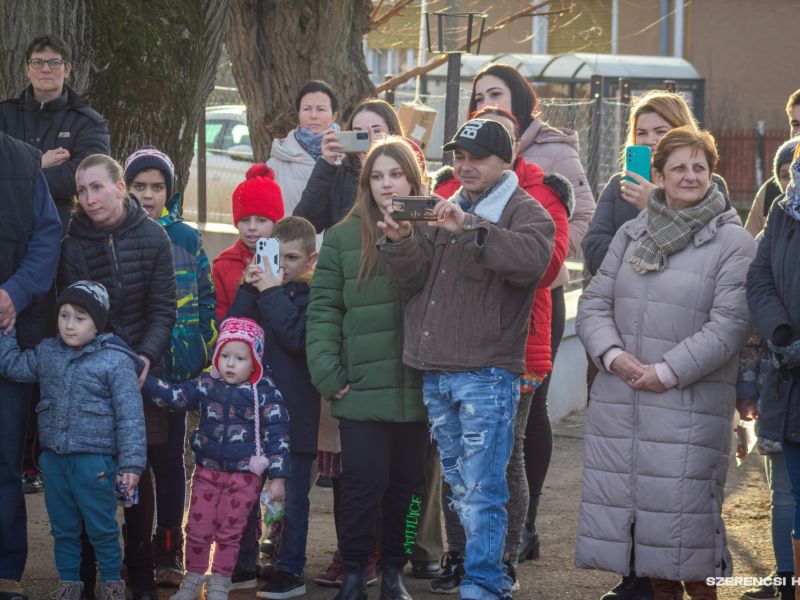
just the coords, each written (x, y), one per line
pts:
(482, 138)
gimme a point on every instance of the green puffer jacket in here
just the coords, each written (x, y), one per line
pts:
(355, 336)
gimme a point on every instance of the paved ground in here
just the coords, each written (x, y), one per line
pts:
(551, 578)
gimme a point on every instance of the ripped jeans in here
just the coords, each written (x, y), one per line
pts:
(471, 414)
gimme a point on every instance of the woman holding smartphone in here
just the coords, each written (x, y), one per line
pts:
(651, 117)
(332, 187)
(354, 344)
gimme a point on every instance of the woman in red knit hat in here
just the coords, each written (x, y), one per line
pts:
(257, 206)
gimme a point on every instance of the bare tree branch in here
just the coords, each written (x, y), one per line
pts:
(392, 83)
(376, 23)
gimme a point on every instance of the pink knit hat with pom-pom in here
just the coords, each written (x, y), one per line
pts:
(248, 331)
(258, 195)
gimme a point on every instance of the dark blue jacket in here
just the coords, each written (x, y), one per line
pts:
(225, 437)
(330, 193)
(281, 312)
(773, 297)
(30, 236)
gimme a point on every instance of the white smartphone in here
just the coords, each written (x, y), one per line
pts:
(353, 142)
(268, 253)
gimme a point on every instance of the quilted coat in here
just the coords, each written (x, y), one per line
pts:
(355, 335)
(555, 151)
(134, 263)
(655, 463)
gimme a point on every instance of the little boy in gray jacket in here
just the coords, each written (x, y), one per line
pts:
(91, 429)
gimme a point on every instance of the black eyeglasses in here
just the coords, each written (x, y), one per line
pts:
(38, 63)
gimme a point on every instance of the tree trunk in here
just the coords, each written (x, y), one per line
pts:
(276, 46)
(147, 66)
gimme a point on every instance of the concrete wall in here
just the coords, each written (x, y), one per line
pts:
(568, 388)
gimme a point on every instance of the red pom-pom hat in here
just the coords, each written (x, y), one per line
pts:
(258, 195)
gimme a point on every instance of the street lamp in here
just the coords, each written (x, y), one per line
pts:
(449, 27)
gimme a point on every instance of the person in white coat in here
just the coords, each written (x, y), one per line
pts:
(293, 157)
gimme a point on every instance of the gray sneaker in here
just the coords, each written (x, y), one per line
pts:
(113, 590)
(68, 590)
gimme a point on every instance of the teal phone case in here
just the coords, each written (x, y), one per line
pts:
(637, 160)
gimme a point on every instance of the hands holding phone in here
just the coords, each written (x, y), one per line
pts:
(637, 191)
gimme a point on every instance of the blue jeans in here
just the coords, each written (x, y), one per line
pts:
(472, 416)
(79, 488)
(782, 511)
(292, 551)
(15, 398)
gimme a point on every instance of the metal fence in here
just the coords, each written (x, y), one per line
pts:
(600, 123)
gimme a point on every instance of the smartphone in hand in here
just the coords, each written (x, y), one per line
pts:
(353, 142)
(268, 253)
(637, 160)
(413, 208)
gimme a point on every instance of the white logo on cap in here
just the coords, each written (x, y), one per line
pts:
(471, 129)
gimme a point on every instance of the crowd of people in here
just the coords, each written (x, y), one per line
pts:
(407, 361)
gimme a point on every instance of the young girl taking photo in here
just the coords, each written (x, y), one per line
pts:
(355, 349)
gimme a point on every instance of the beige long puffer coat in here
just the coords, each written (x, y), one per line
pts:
(655, 463)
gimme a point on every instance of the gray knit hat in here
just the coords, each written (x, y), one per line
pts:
(783, 156)
(90, 296)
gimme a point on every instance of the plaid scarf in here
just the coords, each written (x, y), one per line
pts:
(791, 203)
(669, 230)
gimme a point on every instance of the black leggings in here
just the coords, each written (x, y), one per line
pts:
(538, 433)
(383, 474)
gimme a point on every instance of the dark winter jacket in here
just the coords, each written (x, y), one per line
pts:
(355, 335)
(225, 437)
(195, 331)
(773, 283)
(611, 213)
(281, 312)
(30, 234)
(134, 263)
(90, 400)
(330, 193)
(66, 122)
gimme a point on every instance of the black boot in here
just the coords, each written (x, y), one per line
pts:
(786, 591)
(169, 556)
(630, 587)
(140, 560)
(529, 546)
(354, 584)
(393, 587)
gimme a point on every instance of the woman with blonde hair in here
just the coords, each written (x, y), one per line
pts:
(111, 240)
(651, 117)
(354, 343)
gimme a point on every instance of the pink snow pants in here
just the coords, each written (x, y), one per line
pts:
(218, 510)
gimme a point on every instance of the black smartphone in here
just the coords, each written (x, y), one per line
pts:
(413, 208)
